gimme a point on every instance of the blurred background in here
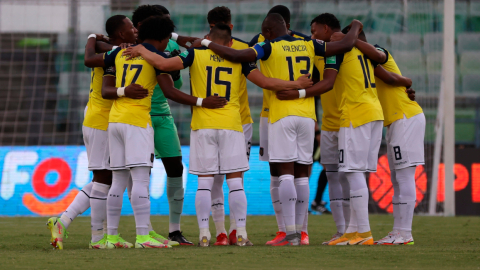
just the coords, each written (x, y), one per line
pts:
(44, 85)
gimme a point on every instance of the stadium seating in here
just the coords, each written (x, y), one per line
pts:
(419, 81)
(471, 84)
(191, 19)
(461, 12)
(468, 42)
(387, 17)
(380, 39)
(349, 10)
(474, 14)
(470, 63)
(432, 42)
(411, 61)
(434, 61)
(420, 17)
(406, 42)
(313, 9)
(251, 15)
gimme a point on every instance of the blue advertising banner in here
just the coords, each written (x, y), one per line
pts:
(44, 180)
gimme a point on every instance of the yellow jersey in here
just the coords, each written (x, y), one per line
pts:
(394, 100)
(355, 89)
(267, 93)
(125, 110)
(288, 58)
(239, 44)
(212, 75)
(331, 112)
(98, 108)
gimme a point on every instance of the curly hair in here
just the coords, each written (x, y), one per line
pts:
(328, 19)
(219, 15)
(156, 28)
(143, 12)
(162, 8)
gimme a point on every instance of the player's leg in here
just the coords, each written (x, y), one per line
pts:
(218, 210)
(168, 149)
(283, 150)
(102, 180)
(204, 162)
(358, 186)
(233, 162)
(120, 178)
(329, 150)
(406, 146)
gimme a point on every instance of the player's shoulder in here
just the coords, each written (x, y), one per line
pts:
(256, 39)
(235, 39)
(300, 35)
(285, 38)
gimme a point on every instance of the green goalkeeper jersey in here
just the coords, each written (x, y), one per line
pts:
(159, 101)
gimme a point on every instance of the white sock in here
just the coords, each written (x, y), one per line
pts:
(115, 199)
(218, 208)
(336, 196)
(141, 198)
(288, 198)
(238, 203)
(407, 199)
(352, 225)
(233, 223)
(395, 201)
(129, 187)
(359, 199)
(79, 205)
(203, 204)
(175, 195)
(98, 202)
(305, 223)
(277, 206)
(346, 197)
(301, 207)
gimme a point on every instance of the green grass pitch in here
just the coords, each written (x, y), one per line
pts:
(440, 243)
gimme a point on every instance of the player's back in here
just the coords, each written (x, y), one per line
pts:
(395, 103)
(356, 90)
(98, 108)
(134, 71)
(288, 58)
(211, 75)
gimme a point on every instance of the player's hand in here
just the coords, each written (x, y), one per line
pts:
(197, 43)
(182, 41)
(411, 94)
(136, 91)
(409, 81)
(214, 102)
(125, 45)
(287, 95)
(304, 81)
(356, 22)
(103, 38)
(337, 36)
(133, 51)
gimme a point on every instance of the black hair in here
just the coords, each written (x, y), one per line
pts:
(361, 35)
(163, 9)
(113, 24)
(283, 11)
(156, 28)
(221, 31)
(143, 12)
(273, 19)
(328, 19)
(219, 15)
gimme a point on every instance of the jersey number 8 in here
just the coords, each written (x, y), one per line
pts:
(217, 81)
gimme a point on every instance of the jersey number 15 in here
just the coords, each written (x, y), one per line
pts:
(217, 81)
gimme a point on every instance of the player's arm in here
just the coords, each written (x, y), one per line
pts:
(109, 91)
(346, 44)
(278, 85)
(166, 85)
(183, 40)
(374, 54)
(91, 58)
(227, 53)
(392, 78)
(156, 60)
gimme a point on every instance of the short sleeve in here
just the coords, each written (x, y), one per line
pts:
(334, 62)
(248, 67)
(319, 46)
(109, 71)
(387, 54)
(187, 57)
(263, 50)
(109, 57)
(253, 41)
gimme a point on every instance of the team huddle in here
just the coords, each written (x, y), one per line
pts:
(128, 123)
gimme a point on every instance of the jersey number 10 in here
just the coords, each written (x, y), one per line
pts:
(366, 73)
(217, 81)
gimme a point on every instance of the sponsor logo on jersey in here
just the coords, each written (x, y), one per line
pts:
(261, 43)
(184, 54)
(319, 41)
